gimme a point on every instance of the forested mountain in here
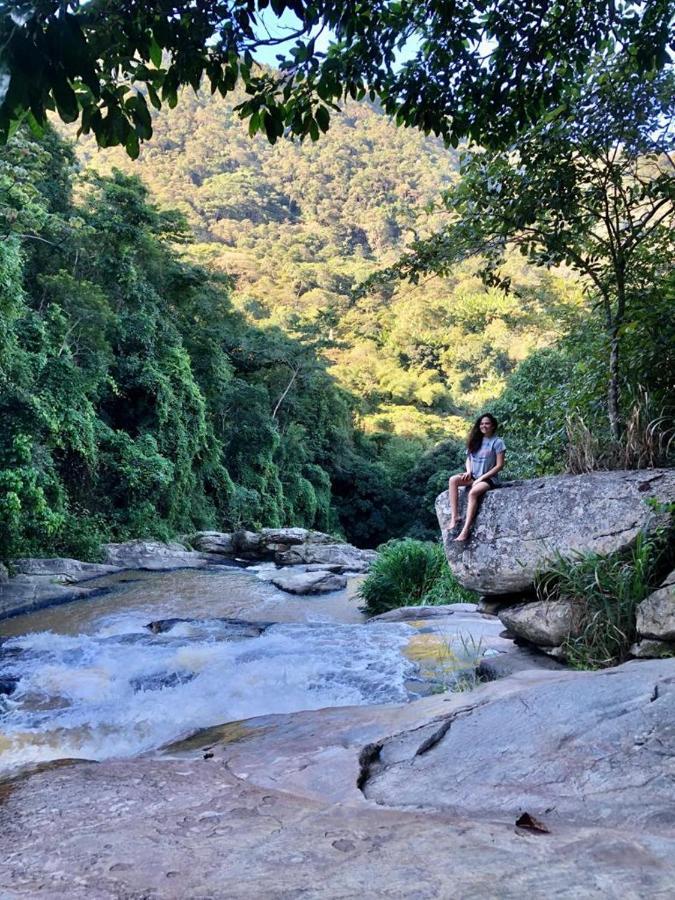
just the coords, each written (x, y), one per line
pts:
(300, 225)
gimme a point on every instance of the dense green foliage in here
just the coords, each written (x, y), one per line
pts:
(592, 189)
(606, 591)
(480, 69)
(301, 227)
(135, 400)
(411, 573)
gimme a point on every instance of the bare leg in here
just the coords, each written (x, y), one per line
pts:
(453, 491)
(475, 494)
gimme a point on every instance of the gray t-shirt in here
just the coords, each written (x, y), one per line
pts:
(486, 457)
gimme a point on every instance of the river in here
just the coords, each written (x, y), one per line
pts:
(90, 680)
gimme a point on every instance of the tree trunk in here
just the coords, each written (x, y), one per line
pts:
(613, 386)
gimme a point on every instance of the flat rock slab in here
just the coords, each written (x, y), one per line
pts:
(592, 748)
(30, 592)
(270, 808)
(523, 525)
(296, 581)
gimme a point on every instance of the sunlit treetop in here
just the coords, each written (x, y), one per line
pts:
(459, 69)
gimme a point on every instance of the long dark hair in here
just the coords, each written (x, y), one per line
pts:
(475, 436)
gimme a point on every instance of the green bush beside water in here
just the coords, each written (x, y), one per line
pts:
(411, 573)
(606, 591)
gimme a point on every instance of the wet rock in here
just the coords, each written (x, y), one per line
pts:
(546, 623)
(524, 524)
(656, 614)
(293, 536)
(63, 571)
(350, 559)
(227, 628)
(25, 593)
(160, 681)
(8, 684)
(520, 659)
(650, 649)
(296, 581)
(406, 613)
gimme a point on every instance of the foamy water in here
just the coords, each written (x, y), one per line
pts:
(121, 690)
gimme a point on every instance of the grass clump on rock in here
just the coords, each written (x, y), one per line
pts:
(411, 573)
(606, 591)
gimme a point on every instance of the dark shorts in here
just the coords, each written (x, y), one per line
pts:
(489, 481)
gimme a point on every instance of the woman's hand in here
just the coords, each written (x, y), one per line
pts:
(465, 477)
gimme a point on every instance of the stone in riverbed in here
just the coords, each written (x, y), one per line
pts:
(63, 571)
(214, 542)
(155, 556)
(350, 559)
(649, 649)
(522, 526)
(656, 614)
(546, 623)
(308, 582)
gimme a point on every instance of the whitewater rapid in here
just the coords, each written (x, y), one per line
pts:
(118, 690)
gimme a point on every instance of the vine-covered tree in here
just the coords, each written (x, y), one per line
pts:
(482, 68)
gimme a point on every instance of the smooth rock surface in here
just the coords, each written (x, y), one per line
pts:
(590, 748)
(155, 556)
(547, 623)
(270, 807)
(350, 559)
(213, 542)
(656, 614)
(296, 581)
(27, 592)
(524, 524)
(63, 571)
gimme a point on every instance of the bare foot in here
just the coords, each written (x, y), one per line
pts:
(462, 537)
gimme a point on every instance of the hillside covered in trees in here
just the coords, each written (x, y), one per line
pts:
(300, 226)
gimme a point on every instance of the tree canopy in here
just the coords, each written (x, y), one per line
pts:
(481, 69)
(592, 187)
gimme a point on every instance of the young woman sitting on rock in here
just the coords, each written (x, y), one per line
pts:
(484, 461)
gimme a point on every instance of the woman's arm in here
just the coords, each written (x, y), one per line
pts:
(499, 465)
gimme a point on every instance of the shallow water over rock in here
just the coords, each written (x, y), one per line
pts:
(92, 680)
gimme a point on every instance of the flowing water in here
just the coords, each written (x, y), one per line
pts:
(90, 680)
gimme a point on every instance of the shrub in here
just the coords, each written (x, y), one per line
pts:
(607, 590)
(411, 573)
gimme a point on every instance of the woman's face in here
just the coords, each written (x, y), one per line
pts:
(486, 426)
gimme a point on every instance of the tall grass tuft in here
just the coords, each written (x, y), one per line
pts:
(648, 440)
(411, 573)
(606, 590)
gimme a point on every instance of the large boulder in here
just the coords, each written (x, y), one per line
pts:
(656, 614)
(255, 545)
(155, 556)
(348, 558)
(521, 526)
(302, 581)
(546, 623)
